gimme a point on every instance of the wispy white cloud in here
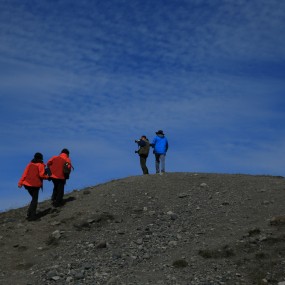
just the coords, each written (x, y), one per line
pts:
(93, 75)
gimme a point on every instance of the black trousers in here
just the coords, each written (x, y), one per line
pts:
(58, 192)
(143, 164)
(32, 210)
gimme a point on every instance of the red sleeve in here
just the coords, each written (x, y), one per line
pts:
(42, 174)
(24, 175)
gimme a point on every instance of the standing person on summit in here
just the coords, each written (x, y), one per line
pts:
(32, 180)
(160, 145)
(143, 151)
(57, 164)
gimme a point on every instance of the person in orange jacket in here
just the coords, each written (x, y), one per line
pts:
(58, 177)
(32, 180)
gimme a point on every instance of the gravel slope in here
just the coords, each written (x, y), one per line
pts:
(177, 228)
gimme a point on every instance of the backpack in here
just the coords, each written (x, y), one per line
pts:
(66, 170)
(144, 150)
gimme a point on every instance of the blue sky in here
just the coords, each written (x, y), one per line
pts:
(95, 75)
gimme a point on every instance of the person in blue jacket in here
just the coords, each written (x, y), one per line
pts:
(160, 146)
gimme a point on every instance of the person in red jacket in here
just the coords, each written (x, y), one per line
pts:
(58, 177)
(32, 180)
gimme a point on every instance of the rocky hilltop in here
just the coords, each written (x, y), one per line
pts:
(177, 228)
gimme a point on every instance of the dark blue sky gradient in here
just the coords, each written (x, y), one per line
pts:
(93, 76)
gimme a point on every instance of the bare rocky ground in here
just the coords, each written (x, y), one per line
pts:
(177, 228)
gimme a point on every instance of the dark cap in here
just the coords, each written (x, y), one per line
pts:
(65, 150)
(38, 156)
(160, 132)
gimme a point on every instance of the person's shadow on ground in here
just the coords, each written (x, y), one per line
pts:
(69, 199)
(50, 210)
(43, 213)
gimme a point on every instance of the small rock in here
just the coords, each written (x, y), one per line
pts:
(182, 195)
(79, 275)
(146, 256)
(238, 274)
(87, 266)
(172, 215)
(102, 244)
(69, 279)
(139, 241)
(116, 255)
(55, 223)
(56, 234)
(180, 263)
(51, 274)
(113, 281)
(278, 220)
(172, 243)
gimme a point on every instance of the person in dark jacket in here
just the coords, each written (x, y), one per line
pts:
(160, 145)
(32, 180)
(143, 152)
(56, 166)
